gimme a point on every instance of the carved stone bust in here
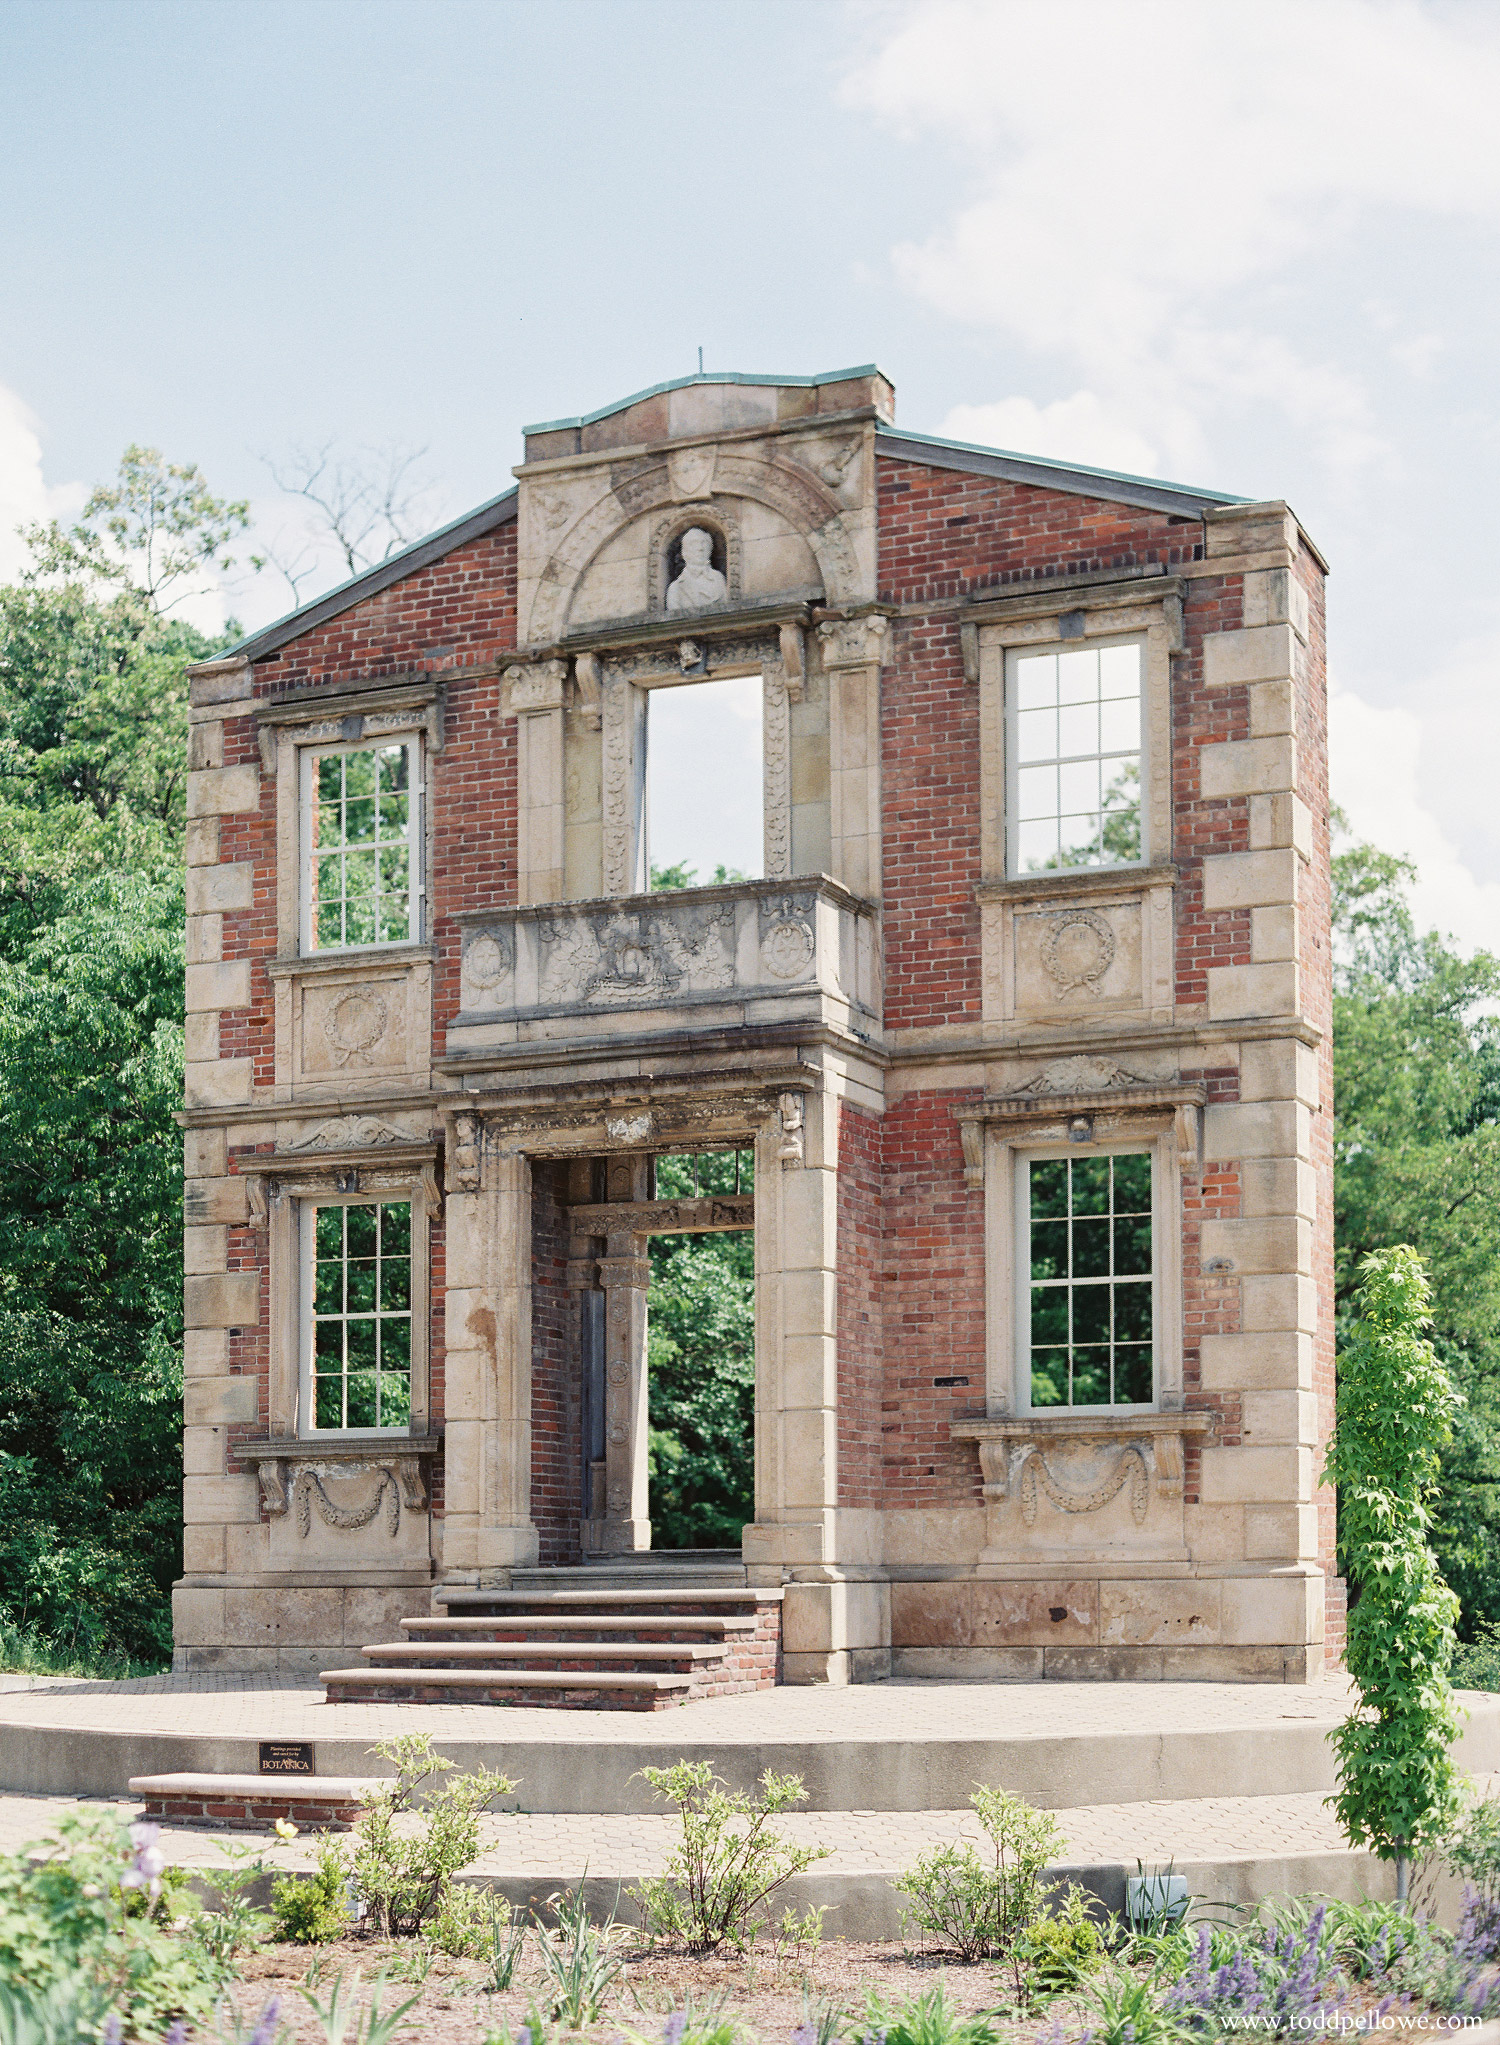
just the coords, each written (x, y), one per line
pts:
(699, 583)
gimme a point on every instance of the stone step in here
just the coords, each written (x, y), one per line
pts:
(692, 1566)
(579, 1689)
(583, 1625)
(652, 1598)
(253, 1803)
(684, 1655)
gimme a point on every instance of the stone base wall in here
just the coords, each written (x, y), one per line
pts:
(1226, 1629)
(289, 1627)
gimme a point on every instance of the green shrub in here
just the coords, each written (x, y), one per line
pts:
(729, 1862)
(985, 1911)
(1062, 1946)
(68, 1933)
(312, 1910)
(1476, 1663)
(403, 1871)
(469, 1923)
(1472, 1848)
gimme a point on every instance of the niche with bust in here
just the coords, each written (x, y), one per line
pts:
(698, 570)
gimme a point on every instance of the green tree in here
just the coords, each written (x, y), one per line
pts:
(1398, 1784)
(1417, 1160)
(93, 759)
(91, 1266)
(701, 1359)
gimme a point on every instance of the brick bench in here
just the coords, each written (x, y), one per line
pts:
(253, 1803)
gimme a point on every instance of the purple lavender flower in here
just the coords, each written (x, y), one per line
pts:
(113, 2028)
(1478, 1936)
(146, 1860)
(265, 2023)
(805, 2034)
(177, 2035)
(673, 2028)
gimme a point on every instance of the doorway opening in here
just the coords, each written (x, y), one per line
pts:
(701, 1363)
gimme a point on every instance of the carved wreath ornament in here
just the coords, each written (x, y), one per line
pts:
(488, 960)
(1078, 951)
(1130, 1467)
(356, 1023)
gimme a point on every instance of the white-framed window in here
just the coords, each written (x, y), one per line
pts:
(1075, 754)
(1087, 1258)
(356, 1374)
(361, 844)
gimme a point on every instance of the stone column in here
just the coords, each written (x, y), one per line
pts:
(625, 1275)
(535, 693)
(853, 652)
(487, 1332)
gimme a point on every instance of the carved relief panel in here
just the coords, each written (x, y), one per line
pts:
(1054, 951)
(351, 1024)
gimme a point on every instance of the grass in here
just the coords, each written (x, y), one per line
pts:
(25, 1652)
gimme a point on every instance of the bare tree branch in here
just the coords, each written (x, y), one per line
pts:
(370, 504)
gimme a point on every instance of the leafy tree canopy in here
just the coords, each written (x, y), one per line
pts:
(93, 769)
(1417, 1160)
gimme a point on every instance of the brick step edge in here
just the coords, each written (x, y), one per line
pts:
(522, 1693)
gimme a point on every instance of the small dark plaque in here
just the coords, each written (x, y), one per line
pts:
(286, 1757)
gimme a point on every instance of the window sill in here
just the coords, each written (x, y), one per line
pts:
(345, 1443)
(1077, 880)
(1096, 1424)
(353, 956)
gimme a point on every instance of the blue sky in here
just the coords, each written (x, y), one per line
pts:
(1248, 247)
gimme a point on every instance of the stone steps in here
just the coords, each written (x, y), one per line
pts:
(605, 1647)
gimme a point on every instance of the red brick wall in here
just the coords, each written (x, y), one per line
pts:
(860, 1323)
(933, 1309)
(458, 613)
(556, 1486)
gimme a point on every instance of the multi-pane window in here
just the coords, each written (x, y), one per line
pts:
(359, 1314)
(1075, 784)
(1087, 1232)
(361, 858)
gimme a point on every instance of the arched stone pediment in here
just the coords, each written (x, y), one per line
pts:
(785, 530)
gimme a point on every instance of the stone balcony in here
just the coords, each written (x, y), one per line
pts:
(750, 955)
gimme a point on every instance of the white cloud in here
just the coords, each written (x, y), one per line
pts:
(1142, 178)
(1374, 761)
(1078, 429)
(25, 495)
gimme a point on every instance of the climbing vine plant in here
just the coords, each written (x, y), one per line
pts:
(1398, 1784)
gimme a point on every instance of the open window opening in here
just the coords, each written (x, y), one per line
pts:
(705, 797)
(701, 1363)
